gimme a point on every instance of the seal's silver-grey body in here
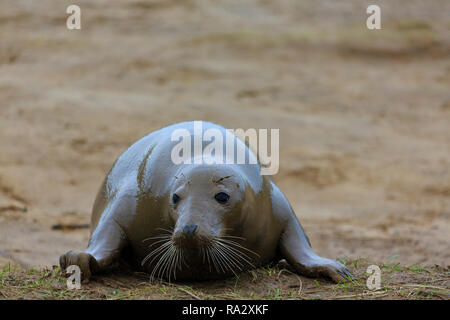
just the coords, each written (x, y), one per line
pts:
(193, 221)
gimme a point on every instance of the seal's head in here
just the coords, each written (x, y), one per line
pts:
(205, 205)
(201, 198)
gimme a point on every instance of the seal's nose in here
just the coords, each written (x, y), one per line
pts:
(189, 230)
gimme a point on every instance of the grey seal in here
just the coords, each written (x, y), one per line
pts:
(193, 221)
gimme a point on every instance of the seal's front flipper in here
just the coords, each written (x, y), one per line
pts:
(294, 245)
(106, 243)
(83, 260)
(295, 248)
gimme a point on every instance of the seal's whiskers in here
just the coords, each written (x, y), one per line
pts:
(215, 260)
(167, 256)
(229, 264)
(220, 253)
(234, 243)
(233, 255)
(155, 252)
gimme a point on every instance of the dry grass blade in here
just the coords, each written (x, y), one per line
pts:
(296, 275)
(189, 293)
(425, 286)
(376, 294)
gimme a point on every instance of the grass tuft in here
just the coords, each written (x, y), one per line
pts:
(276, 282)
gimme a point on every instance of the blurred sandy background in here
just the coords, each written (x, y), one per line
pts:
(364, 116)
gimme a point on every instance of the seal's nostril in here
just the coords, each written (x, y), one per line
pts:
(189, 230)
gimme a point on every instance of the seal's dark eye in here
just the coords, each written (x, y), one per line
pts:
(222, 197)
(175, 198)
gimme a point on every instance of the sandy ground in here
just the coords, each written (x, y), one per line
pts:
(364, 116)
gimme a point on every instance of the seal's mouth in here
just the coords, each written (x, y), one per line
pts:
(191, 243)
(169, 255)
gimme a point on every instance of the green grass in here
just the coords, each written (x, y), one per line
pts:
(271, 282)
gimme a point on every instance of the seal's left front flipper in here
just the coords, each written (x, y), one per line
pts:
(294, 245)
(295, 248)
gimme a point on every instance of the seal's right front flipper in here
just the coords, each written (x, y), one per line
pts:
(83, 260)
(107, 241)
